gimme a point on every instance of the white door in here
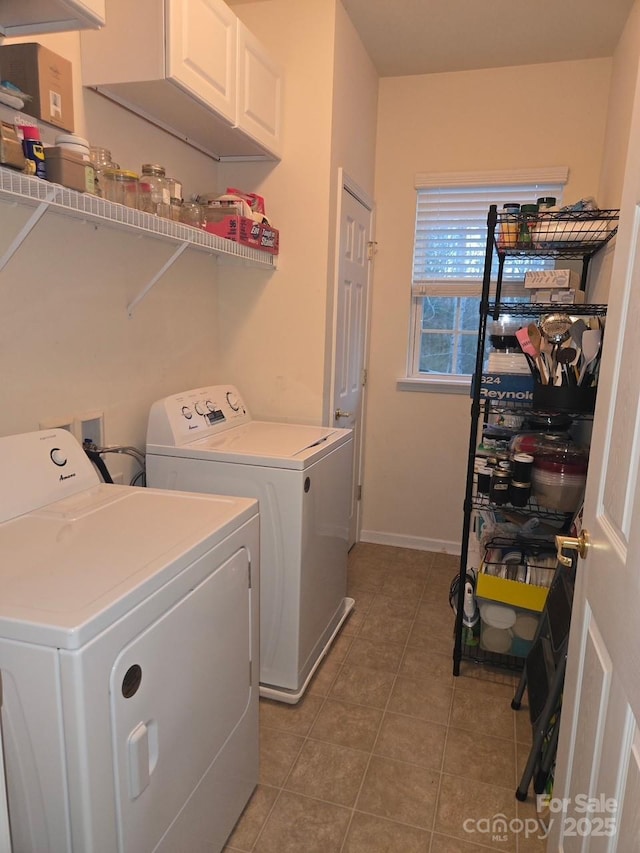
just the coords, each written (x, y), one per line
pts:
(352, 298)
(598, 763)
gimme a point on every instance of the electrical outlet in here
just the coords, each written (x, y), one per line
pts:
(90, 425)
(57, 423)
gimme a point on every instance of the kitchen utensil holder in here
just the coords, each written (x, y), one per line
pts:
(566, 398)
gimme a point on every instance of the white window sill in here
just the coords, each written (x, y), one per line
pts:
(436, 384)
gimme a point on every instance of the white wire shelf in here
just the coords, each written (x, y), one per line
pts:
(44, 196)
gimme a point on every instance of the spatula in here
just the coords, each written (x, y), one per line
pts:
(591, 340)
(531, 354)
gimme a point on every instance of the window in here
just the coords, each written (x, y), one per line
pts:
(448, 262)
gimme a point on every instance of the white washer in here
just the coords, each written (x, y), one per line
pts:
(128, 633)
(204, 440)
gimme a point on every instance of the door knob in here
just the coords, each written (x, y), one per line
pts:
(580, 544)
(340, 414)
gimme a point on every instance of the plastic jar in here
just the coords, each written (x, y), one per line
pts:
(120, 186)
(71, 142)
(509, 225)
(156, 195)
(546, 203)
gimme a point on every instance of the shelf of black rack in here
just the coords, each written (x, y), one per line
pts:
(532, 508)
(475, 654)
(567, 234)
(539, 309)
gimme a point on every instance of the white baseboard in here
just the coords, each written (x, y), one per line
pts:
(416, 542)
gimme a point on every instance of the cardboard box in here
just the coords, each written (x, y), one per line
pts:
(44, 75)
(562, 297)
(247, 232)
(524, 596)
(552, 279)
(69, 169)
(506, 387)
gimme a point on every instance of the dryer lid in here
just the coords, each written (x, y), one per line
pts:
(81, 563)
(270, 444)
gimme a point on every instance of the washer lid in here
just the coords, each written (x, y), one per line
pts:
(278, 445)
(83, 562)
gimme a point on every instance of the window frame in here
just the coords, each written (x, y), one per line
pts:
(494, 182)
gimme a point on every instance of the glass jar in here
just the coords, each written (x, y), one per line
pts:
(192, 214)
(101, 159)
(120, 186)
(155, 197)
(175, 209)
(499, 487)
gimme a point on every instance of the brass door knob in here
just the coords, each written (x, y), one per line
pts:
(579, 543)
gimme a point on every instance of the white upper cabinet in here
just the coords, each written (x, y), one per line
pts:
(201, 51)
(31, 17)
(190, 67)
(259, 86)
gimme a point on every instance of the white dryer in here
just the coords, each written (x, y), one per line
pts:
(204, 440)
(128, 650)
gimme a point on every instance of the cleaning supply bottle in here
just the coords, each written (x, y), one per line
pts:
(33, 151)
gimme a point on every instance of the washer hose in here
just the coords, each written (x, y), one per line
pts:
(97, 460)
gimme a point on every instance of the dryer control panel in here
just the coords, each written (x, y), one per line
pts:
(199, 413)
(39, 468)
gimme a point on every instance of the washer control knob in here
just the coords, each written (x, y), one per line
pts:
(233, 401)
(210, 406)
(57, 457)
(199, 407)
(186, 413)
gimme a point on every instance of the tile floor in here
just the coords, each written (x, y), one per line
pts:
(388, 751)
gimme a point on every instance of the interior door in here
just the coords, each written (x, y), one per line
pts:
(352, 300)
(598, 764)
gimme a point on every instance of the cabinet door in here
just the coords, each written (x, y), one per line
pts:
(259, 92)
(18, 18)
(201, 45)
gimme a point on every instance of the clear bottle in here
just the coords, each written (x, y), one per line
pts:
(155, 196)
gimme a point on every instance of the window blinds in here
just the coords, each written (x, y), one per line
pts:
(451, 232)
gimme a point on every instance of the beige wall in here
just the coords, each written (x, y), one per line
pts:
(273, 332)
(546, 115)
(67, 344)
(277, 338)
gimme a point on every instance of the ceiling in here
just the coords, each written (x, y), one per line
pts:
(428, 36)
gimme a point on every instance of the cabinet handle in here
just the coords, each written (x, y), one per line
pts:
(581, 544)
